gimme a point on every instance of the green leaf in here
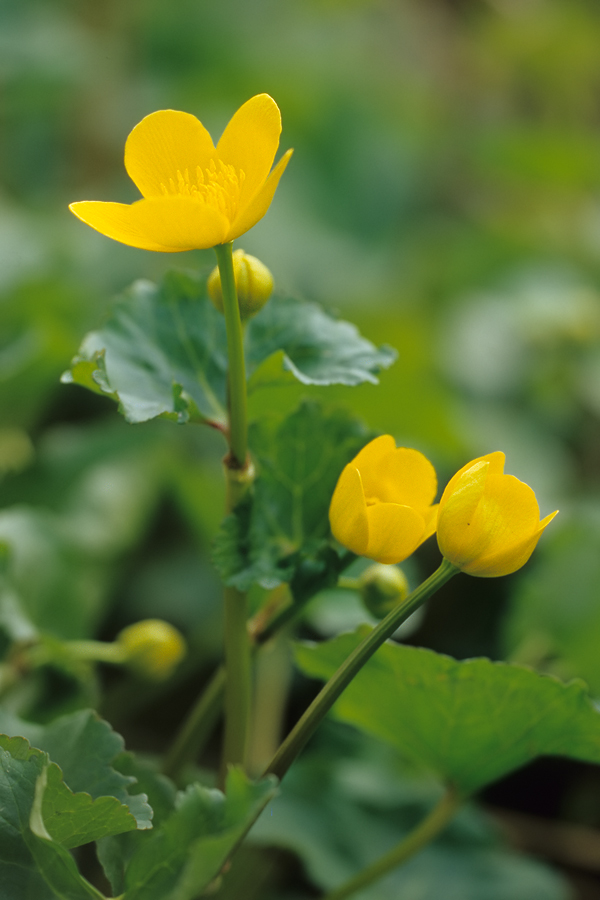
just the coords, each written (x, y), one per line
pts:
(285, 520)
(436, 711)
(90, 493)
(339, 811)
(114, 852)
(178, 860)
(19, 770)
(84, 747)
(163, 351)
(160, 345)
(76, 819)
(32, 793)
(317, 349)
(52, 859)
(60, 871)
(554, 619)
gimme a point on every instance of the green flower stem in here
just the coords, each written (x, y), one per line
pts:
(238, 418)
(201, 719)
(97, 651)
(422, 835)
(88, 651)
(198, 726)
(239, 477)
(348, 584)
(238, 696)
(318, 709)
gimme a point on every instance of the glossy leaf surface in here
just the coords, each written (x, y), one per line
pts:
(468, 722)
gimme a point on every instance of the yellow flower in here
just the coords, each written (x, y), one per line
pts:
(195, 195)
(488, 522)
(382, 505)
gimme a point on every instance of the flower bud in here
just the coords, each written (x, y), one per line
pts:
(382, 588)
(253, 281)
(152, 648)
(488, 522)
(382, 507)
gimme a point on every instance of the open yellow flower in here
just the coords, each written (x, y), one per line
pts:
(195, 195)
(382, 505)
(488, 522)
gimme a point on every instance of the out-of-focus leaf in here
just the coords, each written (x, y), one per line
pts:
(285, 518)
(436, 711)
(163, 351)
(340, 813)
(183, 856)
(554, 620)
(94, 491)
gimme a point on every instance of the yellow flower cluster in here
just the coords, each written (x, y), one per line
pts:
(487, 523)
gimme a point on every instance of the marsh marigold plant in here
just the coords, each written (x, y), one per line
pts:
(382, 507)
(195, 195)
(488, 522)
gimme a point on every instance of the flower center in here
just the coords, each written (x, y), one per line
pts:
(219, 186)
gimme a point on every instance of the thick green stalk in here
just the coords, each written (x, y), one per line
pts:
(318, 709)
(197, 728)
(238, 418)
(238, 681)
(239, 476)
(422, 835)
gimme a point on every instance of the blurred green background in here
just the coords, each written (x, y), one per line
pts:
(444, 194)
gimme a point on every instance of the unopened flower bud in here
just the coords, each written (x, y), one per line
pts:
(382, 588)
(152, 648)
(253, 281)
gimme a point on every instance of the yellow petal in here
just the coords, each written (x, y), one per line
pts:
(403, 476)
(372, 453)
(430, 517)
(394, 532)
(348, 512)
(511, 558)
(261, 201)
(250, 142)
(168, 224)
(457, 539)
(495, 467)
(508, 511)
(507, 518)
(163, 143)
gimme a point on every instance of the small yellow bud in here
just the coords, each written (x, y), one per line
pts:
(382, 588)
(253, 281)
(152, 648)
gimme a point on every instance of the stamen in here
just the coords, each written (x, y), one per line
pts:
(219, 186)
